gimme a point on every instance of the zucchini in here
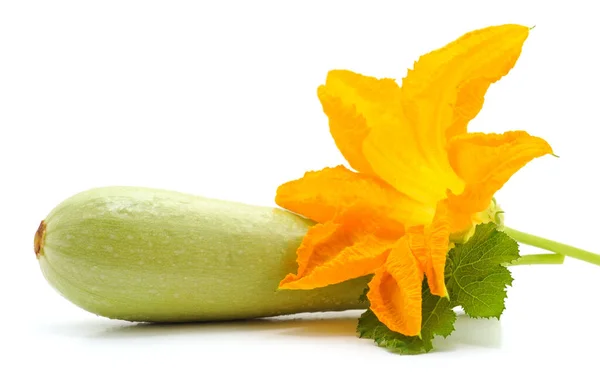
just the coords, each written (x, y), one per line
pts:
(152, 255)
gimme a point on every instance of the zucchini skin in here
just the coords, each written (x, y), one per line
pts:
(152, 255)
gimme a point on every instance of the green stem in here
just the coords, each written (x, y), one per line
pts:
(539, 259)
(557, 247)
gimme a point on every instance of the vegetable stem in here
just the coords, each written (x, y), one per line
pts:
(556, 247)
(539, 259)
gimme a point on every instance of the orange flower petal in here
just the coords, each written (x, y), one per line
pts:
(335, 252)
(395, 291)
(347, 99)
(486, 162)
(446, 89)
(430, 246)
(370, 129)
(438, 98)
(469, 101)
(324, 194)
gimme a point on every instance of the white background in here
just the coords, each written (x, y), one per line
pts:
(220, 100)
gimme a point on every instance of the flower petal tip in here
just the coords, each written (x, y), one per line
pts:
(441, 292)
(287, 283)
(444, 294)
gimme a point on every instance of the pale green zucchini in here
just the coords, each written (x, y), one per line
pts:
(153, 255)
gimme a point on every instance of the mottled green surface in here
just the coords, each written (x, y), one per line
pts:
(152, 255)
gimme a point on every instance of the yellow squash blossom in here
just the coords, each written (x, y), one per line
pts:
(419, 175)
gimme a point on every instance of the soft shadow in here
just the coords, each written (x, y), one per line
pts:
(340, 326)
(307, 325)
(484, 333)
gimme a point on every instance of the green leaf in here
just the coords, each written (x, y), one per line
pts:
(476, 280)
(363, 297)
(438, 319)
(475, 276)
